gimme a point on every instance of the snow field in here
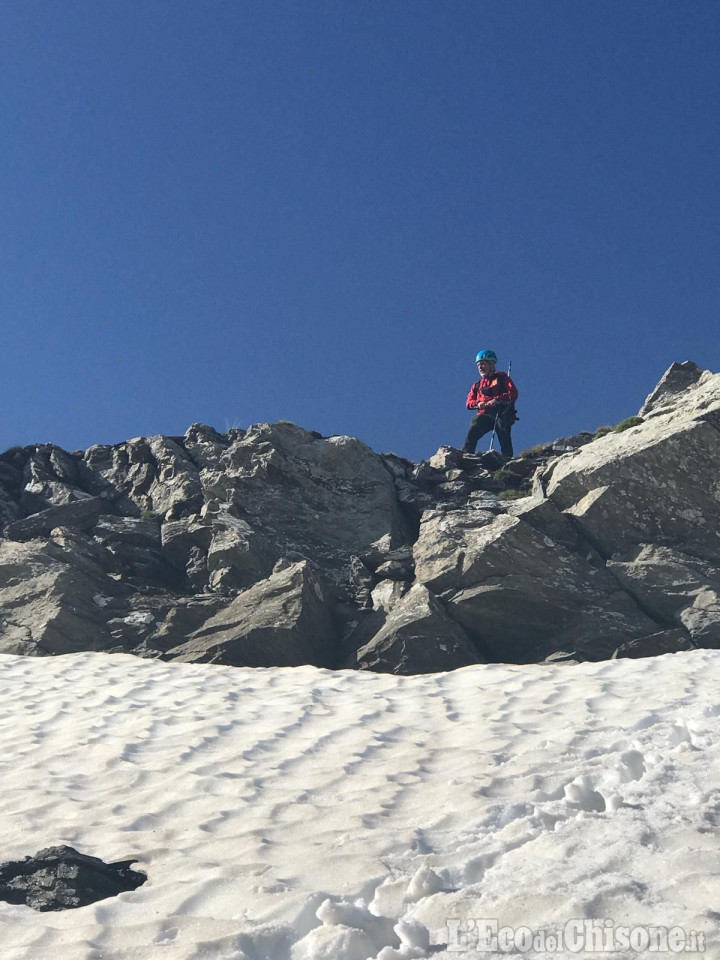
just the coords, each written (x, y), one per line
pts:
(304, 814)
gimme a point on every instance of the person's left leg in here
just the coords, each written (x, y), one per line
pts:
(479, 426)
(504, 439)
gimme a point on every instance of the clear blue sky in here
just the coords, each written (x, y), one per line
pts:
(234, 211)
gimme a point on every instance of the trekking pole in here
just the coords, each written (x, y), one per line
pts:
(492, 437)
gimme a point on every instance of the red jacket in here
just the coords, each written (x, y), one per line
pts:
(495, 389)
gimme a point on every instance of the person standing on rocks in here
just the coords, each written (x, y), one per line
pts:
(493, 398)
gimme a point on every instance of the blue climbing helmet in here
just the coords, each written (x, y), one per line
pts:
(486, 355)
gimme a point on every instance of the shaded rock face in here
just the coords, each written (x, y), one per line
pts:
(60, 878)
(417, 636)
(283, 621)
(277, 546)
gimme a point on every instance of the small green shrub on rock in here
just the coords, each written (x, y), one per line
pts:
(512, 494)
(537, 450)
(627, 423)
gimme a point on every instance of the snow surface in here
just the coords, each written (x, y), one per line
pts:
(304, 814)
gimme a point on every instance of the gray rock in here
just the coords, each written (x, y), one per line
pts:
(185, 545)
(677, 379)
(521, 595)
(446, 459)
(205, 446)
(136, 545)
(151, 474)
(654, 483)
(47, 605)
(238, 556)
(654, 645)
(664, 581)
(142, 546)
(284, 621)
(324, 496)
(395, 570)
(417, 637)
(387, 594)
(81, 513)
(50, 477)
(702, 619)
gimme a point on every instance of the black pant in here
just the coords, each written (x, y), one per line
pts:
(483, 423)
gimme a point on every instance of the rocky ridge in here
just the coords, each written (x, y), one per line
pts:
(278, 546)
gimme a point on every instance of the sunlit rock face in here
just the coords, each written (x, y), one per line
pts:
(278, 546)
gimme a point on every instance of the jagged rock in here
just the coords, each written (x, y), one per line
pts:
(81, 513)
(398, 467)
(395, 570)
(520, 594)
(544, 516)
(653, 483)
(702, 619)
(383, 550)
(321, 496)
(60, 878)
(50, 476)
(447, 458)
(237, 557)
(283, 621)
(387, 594)
(417, 637)
(677, 379)
(205, 446)
(665, 581)
(148, 625)
(361, 582)
(153, 474)
(185, 545)
(136, 544)
(142, 546)
(181, 619)
(46, 604)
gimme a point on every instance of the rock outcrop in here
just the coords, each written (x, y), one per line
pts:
(278, 546)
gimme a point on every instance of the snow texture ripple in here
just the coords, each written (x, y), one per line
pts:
(304, 814)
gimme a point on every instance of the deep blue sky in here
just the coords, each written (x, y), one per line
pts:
(232, 211)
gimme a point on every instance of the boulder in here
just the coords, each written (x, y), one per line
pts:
(136, 545)
(664, 581)
(519, 594)
(325, 498)
(81, 513)
(417, 637)
(238, 556)
(283, 620)
(677, 379)
(185, 544)
(61, 878)
(654, 483)
(702, 619)
(47, 605)
(152, 474)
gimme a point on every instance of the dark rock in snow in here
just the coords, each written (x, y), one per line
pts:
(60, 878)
